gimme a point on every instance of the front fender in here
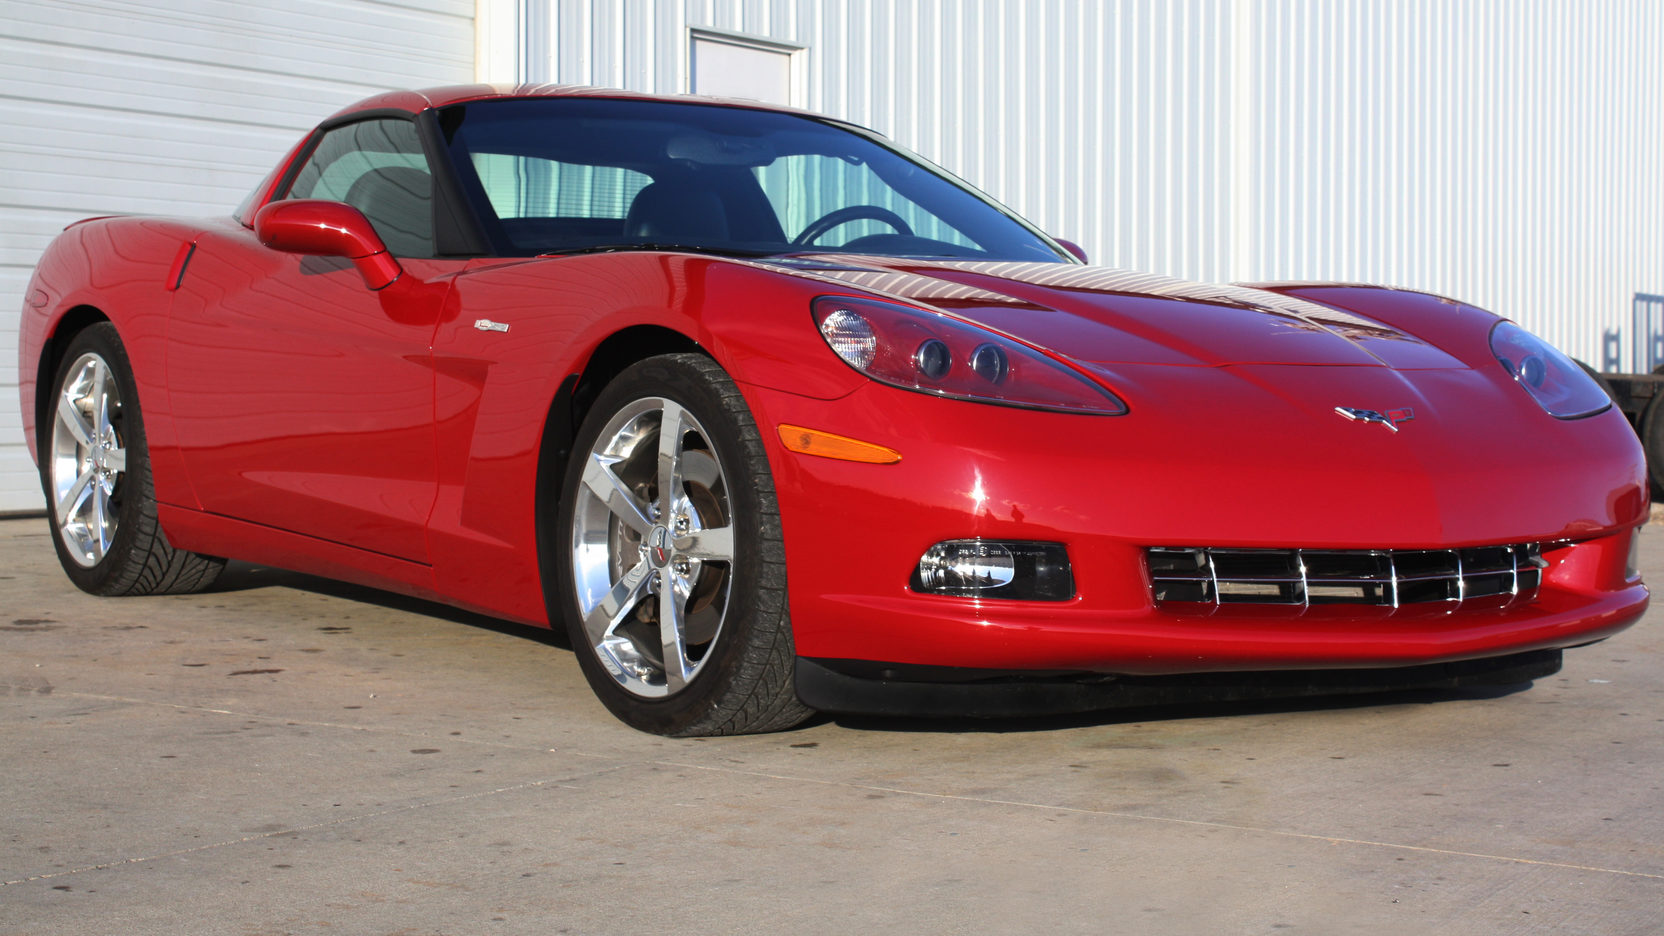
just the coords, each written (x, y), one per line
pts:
(116, 269)
(493, 387)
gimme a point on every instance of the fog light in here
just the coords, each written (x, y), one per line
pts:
(1632, 565)
(981, 568)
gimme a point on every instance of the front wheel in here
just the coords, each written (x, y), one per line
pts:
(95, 470)
(674, 575)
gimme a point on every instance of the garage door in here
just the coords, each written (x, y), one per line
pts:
(112, 107)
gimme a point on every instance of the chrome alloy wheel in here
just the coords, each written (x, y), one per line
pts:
(652, 547)
(89, 460)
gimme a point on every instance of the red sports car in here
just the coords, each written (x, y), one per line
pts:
(773, 417)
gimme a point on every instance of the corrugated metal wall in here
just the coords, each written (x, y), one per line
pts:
(115, 107)
(1502, 151)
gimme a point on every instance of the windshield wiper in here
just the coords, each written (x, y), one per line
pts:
(661, 245)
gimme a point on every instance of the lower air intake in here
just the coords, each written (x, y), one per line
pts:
(1389, 577)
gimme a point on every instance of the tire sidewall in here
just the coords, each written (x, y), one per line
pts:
(694, 709)
(112, 572)
(1652, 441)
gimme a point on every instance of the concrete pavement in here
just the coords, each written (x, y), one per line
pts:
(293, 756)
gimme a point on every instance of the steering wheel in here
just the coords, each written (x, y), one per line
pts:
(832, 219)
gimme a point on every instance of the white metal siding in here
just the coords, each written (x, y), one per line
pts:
(113, 107)
(1505, 152)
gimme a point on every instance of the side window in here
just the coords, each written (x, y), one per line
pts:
(376, 166)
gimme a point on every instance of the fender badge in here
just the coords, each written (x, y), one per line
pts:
(1391, 418)
(488, 325)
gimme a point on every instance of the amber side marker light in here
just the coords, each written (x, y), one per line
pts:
(827, 445)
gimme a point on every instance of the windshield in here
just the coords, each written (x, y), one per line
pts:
(562, 175)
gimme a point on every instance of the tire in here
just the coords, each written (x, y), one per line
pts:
(1652, 441)
(95, 470)
(711, 558)
(1599, 378)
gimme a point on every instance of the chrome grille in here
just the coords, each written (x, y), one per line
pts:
(1388, 577)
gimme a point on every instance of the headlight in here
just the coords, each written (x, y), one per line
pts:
(916, 349)
(1553, 380)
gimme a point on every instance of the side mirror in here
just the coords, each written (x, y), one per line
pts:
(1072, 247)
(327, 229)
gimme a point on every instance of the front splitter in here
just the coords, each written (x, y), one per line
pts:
(860, 687)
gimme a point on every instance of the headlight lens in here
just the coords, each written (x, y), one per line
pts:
(850, 336)
(916, 349)
(1553, 380)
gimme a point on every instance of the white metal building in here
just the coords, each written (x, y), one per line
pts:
(116, 106)
(1504, 151)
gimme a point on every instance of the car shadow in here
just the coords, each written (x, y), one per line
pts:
(243, 576)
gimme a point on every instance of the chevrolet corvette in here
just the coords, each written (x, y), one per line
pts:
(774, 417)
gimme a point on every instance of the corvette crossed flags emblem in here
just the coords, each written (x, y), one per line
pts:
(1388, 418)
(1391, 418)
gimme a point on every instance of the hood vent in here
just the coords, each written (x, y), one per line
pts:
(1385, 577)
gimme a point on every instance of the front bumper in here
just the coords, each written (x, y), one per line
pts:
(1264, 473)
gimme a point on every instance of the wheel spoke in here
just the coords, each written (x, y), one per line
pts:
(605, 617)
(69, 416)
(620, 500)
(73, 498)
(716, 543)
(100, 376)
(100, 523)
(671, 632)
(670, 457)
(116, 460)
(101, 417)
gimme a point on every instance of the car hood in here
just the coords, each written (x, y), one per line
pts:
(1105, 316)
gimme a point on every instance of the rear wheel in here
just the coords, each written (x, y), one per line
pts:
(674, 566)
(96, 473)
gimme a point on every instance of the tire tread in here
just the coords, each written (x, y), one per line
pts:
(765, 697)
